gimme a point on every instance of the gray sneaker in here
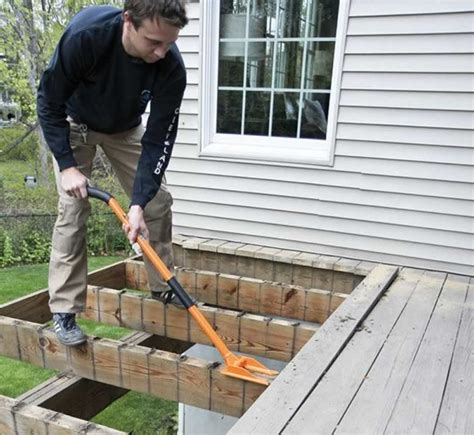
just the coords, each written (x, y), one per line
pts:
(67, 330)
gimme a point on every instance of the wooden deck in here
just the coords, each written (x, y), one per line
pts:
(371, 348)
(402, 363)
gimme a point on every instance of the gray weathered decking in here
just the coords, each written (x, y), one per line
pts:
(403, 366)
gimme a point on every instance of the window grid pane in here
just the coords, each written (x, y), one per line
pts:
(284, 50)
(244, 97)
(272, 93)
(305, 51)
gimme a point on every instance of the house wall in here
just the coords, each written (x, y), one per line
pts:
(401, 188)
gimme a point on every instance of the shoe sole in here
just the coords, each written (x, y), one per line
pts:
(73, 343)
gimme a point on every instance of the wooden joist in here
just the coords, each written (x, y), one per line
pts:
(163, 374)
(112, 276)
(272, 264)
(259, 335)
(32, 307)
(60, 393)
(19, 418)
(65, 392)
(247, 294)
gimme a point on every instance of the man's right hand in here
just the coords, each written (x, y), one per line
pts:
(74, 182)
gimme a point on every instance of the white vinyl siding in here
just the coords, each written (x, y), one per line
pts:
(401, 188)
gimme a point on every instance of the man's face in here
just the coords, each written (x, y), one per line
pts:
(150, 41)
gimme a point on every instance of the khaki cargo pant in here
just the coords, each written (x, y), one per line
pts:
(68, 263)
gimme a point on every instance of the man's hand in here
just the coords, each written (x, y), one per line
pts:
(74, 182)
(137, 224)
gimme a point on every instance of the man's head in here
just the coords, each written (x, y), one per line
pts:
(151, 26)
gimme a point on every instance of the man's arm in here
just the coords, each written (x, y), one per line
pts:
(157, 145)
(158, 141)
(57, 84)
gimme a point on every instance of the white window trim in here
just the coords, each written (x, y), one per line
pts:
(262, 149)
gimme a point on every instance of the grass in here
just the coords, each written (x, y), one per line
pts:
(134, 412)
(21, 280)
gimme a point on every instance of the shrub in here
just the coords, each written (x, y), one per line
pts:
(7, 257)
(27, 239)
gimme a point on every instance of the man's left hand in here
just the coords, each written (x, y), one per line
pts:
(137, 225)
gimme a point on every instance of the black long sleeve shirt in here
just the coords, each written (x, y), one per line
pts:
(93, 80)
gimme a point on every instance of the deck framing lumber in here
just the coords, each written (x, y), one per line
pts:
(60, 393)
(305, 370)
(163, 374)
(32, 307)
(250, 294)
(19, 418)
(109, 276)
(255, 334)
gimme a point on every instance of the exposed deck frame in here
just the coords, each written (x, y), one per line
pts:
(19, 418)
(159, 373)
(259, 335)
(118, 366)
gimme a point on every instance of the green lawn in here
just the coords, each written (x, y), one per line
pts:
(21, 280)
(135, 412)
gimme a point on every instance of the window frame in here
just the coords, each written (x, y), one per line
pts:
(270, 150)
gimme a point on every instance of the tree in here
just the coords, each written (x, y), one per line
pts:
(29, 31)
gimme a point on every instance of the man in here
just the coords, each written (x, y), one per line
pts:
(108, 65)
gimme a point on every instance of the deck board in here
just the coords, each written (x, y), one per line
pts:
(457, 410)
(418, 405)
(384, 381)
(334, 393)
(408, 369)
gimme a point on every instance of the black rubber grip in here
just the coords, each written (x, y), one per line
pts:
(93, 192)
(180, 293)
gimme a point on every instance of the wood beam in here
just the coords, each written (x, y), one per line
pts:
(246, 294)
(72, 395)
(112, 276)
(163, 374)
(273, 338)
(60, 393)
(33, 307)
(19, 418)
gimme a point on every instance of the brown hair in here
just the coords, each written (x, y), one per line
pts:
(172, 11)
